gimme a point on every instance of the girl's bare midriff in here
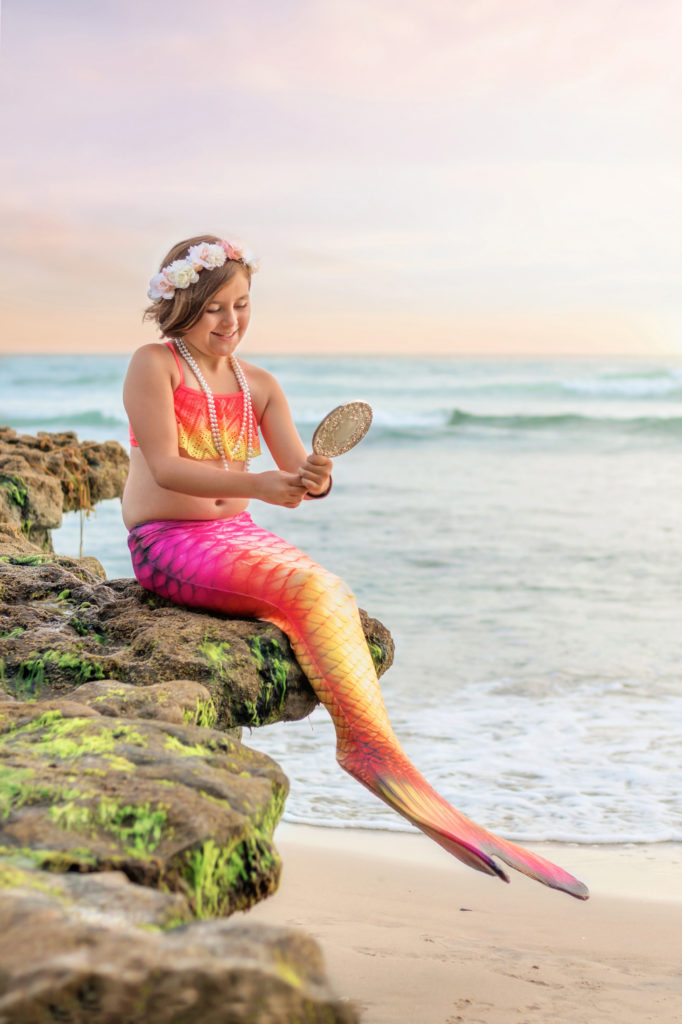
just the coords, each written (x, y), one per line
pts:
(144, 500)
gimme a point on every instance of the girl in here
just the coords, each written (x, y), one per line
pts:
(196, 413)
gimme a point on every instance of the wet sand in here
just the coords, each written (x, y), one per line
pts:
(411, 935)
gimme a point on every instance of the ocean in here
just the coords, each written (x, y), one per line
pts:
(516, 525)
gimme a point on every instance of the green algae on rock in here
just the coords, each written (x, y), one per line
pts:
(176, 807)
(61, 626)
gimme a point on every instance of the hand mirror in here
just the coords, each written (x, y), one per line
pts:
(341, 429)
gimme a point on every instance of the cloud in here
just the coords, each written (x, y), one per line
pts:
(320, 74)
(451, 156)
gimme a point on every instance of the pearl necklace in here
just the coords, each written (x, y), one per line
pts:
(245, 430)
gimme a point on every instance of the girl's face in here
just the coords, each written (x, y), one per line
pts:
(223, 323)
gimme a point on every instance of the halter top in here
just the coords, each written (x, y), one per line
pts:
(194, 426)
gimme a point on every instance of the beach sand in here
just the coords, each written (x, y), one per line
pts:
(411, 935)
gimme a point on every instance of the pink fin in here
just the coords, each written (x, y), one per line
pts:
(413, 797)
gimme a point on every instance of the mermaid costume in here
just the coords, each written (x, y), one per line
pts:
(234, 567)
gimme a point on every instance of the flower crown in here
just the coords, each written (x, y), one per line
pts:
(204, 256)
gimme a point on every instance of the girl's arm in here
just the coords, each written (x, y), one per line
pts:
(148, 400)
(286, 447)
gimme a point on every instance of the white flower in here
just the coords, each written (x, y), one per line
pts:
(206, 255)
(252, 262)
(160, 287)
(181, 273)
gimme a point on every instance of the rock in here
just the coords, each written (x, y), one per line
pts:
(182, 808)
(62, 626)
(42, 477)
(57, 965)
(125, 814)
(102, 897)
(180, 700)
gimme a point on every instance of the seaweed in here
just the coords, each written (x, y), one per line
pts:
(15, 487)
(138, 827)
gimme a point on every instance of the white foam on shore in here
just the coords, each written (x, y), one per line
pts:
(579, 766)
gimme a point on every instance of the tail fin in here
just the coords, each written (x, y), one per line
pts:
(408, 792)
(535, 866)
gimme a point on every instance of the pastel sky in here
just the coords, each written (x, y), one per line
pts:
(452, 176)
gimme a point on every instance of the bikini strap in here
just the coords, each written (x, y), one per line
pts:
(171, 346)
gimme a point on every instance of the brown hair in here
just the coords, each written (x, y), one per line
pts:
(175, 316)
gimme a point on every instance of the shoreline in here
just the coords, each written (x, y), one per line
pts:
(410, 934)
(626, 870)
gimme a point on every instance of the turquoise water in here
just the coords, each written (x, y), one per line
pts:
(516, 524)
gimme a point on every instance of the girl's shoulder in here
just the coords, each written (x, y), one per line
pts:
(153, 351)
(257, 372)
(155, 357)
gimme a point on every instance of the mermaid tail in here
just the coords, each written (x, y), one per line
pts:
(237, 568)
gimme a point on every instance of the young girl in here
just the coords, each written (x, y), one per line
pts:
(196, 413)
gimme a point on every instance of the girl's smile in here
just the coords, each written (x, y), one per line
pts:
(226, 337)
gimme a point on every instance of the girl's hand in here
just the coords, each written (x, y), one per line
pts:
(279, 488)
(314, 474)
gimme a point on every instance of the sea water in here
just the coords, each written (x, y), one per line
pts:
(516, 525)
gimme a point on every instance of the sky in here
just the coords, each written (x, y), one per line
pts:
(447, 176)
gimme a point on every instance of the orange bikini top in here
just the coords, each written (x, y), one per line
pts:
(194, 427)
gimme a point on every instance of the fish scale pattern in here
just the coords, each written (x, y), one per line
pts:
(235, 567)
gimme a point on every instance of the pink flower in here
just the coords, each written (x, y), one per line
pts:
(160, 287)
(234, 250)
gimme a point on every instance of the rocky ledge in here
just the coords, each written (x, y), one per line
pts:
(133, 820)
(42, 477)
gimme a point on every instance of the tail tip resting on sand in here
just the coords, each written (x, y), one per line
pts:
(530, 864)
(540, 869)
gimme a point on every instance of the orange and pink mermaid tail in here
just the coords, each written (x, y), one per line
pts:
(235, 567)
